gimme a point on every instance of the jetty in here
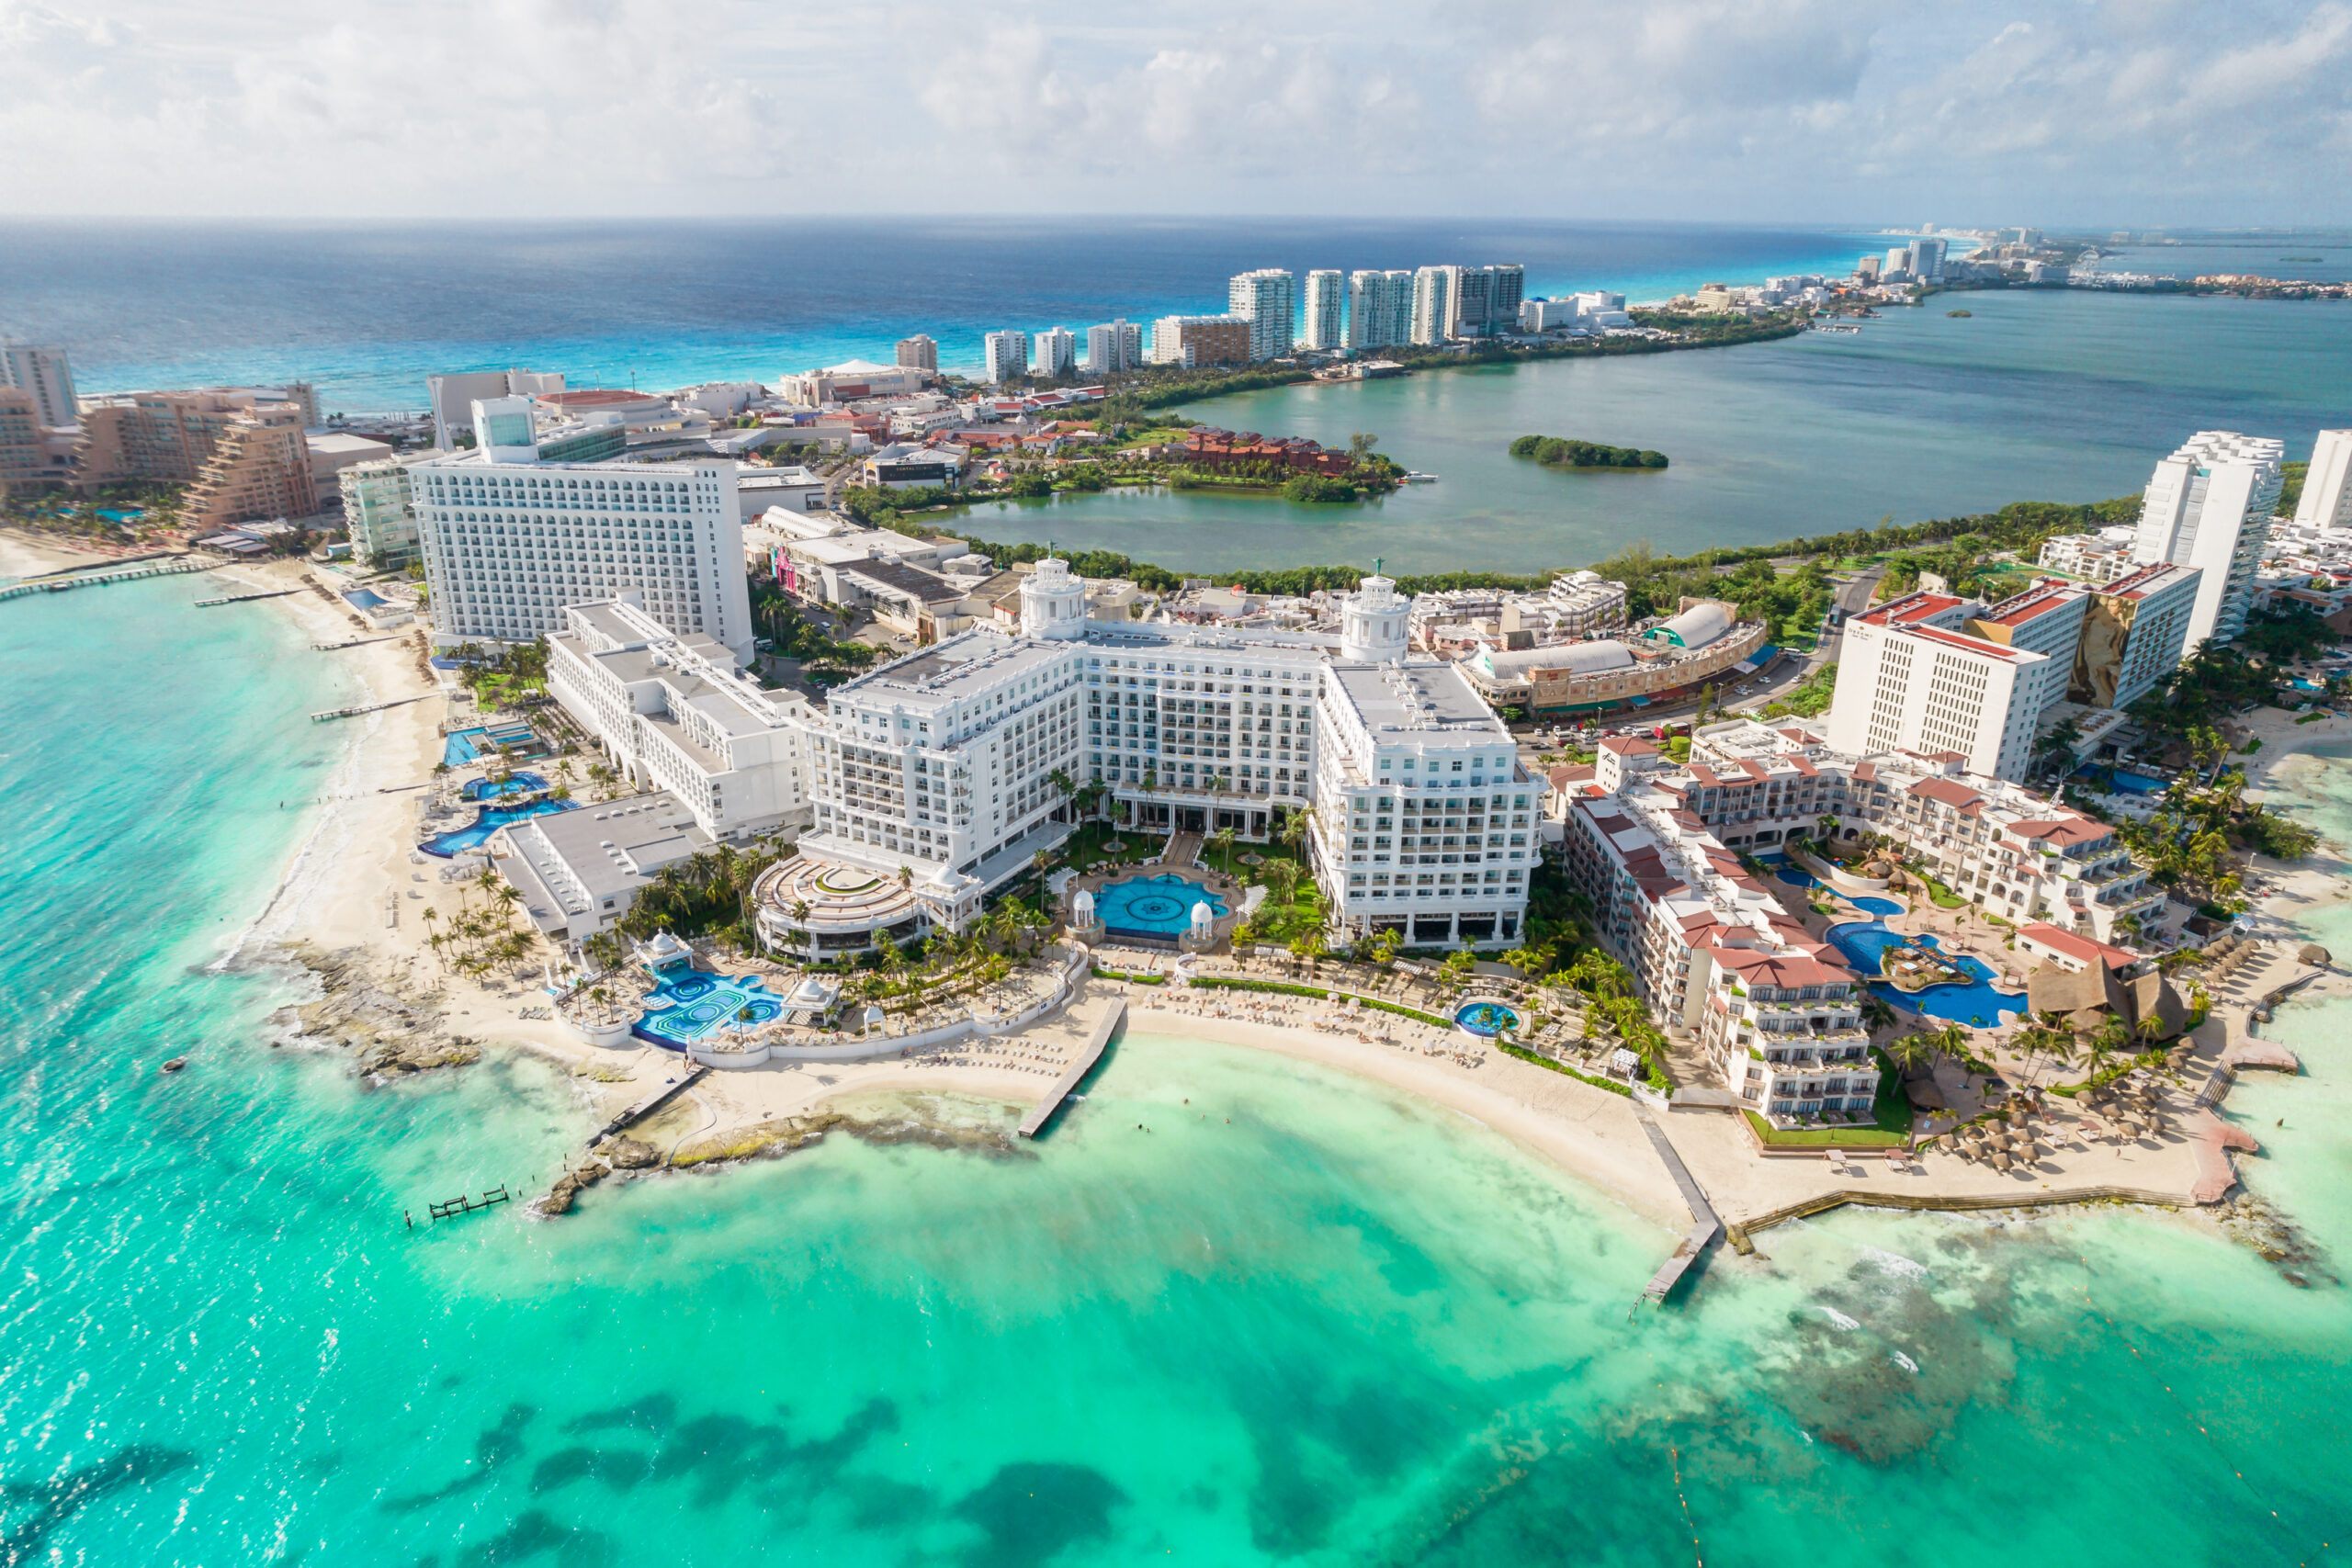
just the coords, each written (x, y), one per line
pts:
(356, 710)
(174, 567)
(246, 598)
(461, 1204)
(1082, 1063)
(1704, 1226)
(352, 642)
(645, 1107)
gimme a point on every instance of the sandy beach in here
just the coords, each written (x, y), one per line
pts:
(24, 553)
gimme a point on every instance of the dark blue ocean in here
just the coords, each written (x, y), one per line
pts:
(365, 311)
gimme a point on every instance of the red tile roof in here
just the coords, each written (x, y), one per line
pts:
(2081, 949)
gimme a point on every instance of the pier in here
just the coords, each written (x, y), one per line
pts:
(173, 568)
(352, 642)
(369, 707)
(1704, 1225)
(246, 598)
(1090, 1053)
(462, 1204)
(645, 1107)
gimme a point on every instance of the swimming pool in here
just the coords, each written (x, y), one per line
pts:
(489, 820)
(1487, 1019)
(1977, 1004)
(2125, 782)
(1879, 906)
(1152, 906)
(465, 746)
(523, 782)
(688, 1006)
(1794, 877)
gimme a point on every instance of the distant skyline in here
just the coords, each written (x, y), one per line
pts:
(2111, 113)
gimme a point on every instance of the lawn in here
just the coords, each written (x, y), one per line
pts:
(1890, 1113)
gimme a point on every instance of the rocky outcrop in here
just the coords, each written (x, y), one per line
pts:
(570, 1185)
(627, 1154)
(393, 1030)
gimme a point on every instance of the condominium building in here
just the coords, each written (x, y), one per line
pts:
(1326, 313)
(1267, 300)
(1056, 353)
(451, 397)
(1912, 678)
(1432, 304)
(2047, 619)
(1380, 309)
(2096, 557)
(1114, 345)
(2134, 630)
(1004, 355)
(510, 538)
(380, 510)
(2327, 500)
(155, 436)
(674, 713)
(1199, 340)
(41, 373)
(21, 458)
(918, 353)
(1928, 259)
(1480, 300)
(260, 467)
(2209, 507)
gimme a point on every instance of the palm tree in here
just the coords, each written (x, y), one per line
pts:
(1295, 826)
(1222, 840)
(1877, 1011)
(1909, 1053)
(1284, 878)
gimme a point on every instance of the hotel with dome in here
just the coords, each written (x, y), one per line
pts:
(920, 788)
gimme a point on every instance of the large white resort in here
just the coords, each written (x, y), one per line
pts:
(922, 786)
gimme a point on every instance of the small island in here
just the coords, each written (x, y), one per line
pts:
(1960, 313)
(1558, 452)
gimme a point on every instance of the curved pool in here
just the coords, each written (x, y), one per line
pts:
(489, 820)
(1152, 906)
(690, 1005)
(1486, 1018)
(521, 783)
(1975, 1002)
(1879, 906)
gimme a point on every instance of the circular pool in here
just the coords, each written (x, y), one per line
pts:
(1486, 1018)
(1152, 906)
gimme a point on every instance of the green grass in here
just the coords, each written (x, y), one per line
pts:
(1612, 1085)
(2251, 747)
(1891, 1114)
(1103, 973)
(2313, 717)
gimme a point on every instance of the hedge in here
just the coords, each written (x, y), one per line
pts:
(1524, 1055)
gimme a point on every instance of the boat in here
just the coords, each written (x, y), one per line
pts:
(176, 1064)
(1415, 477)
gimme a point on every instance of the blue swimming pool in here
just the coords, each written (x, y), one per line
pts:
(1794, 877)
(1152, 906)
(1976, 1004)
(689, 1005)
(1881, 907)
(465, 746)
(489, 820)
(521, 783)
(2125, 782)
(1487, 1019)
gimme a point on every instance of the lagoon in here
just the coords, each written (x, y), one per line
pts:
(2038, 395)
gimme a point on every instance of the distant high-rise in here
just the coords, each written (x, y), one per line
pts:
(1431, 295)
(1469, 294)
(919, 352)
(1326, 299)
(1503, 298)
(452, 398)
(1004, 355)
(1053, 353)
(1199, 340)
(43, 373)
(1866, 270)
(1898, 263)
(1380, 309)
(1928, 260)
(1114, 345)
(2327, 490)
(2209, 507)
(1265, 299)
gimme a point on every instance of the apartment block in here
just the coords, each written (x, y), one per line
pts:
(1114, 345)
(1432, 305)
(920, 352)
(451, 397)
(21, 453)
(1326, 309)
(2327, 500)
(2209, 507)
(1004, 355)
(1266, 299)
(1200, 341)
(41, 373)
(2135, 631)
(1912, 678)
(1054, 353)
(1380, 309)
(380, 510)
(259, 469)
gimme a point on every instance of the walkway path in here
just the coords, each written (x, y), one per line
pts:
(1182, 849)
(1082, 1063)
(1704, 1225)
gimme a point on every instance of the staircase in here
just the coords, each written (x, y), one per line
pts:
(1182, 849)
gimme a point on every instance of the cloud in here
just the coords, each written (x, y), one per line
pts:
(2145, 112)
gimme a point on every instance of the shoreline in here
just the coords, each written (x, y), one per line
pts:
(348, 909)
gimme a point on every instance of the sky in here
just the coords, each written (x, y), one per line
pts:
(2142, 113)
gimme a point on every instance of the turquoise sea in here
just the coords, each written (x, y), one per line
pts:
(1235, 1311)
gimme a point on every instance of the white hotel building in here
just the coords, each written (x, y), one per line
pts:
(510, 540)
(2209, 507)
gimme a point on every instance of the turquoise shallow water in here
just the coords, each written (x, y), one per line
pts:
(1294, 1320)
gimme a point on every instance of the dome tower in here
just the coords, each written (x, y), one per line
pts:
(1053, 600)
(1374, 622)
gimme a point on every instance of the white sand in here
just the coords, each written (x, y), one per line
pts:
(23, 553)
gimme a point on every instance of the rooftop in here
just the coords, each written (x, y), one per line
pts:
(1415, 697)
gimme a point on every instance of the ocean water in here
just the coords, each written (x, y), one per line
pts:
(2035, 396)
(365, 311)
(1233, 1311)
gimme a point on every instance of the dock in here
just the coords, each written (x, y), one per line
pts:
(645, 1107)
(353, 642)
(173, 568)
(1090, 1053)
(461, 1204)
(369, 707)
(1704, 1226)
(246, 598)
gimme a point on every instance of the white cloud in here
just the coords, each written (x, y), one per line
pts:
(2148, 111)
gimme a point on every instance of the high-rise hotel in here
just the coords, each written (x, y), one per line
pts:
(518, 527)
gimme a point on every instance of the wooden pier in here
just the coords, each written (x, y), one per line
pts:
(246, 598)
(352, 642)
(173, 568)
(462, 1204)
(1091, 1053)
(1704, 1226)
(369, 707)
(645, 1107)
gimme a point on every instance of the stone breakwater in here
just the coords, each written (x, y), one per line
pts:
(392, 1027)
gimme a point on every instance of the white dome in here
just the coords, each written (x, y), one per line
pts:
(1699, 625)
(1576, 657)
(1202, 915)
(1081, 907)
